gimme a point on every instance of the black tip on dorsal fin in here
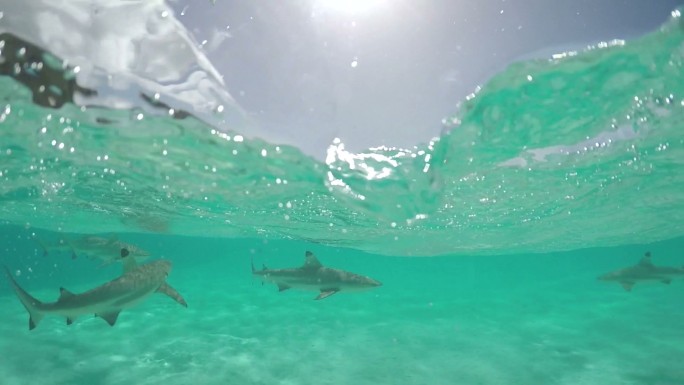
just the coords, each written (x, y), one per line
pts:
(129, 264)
(64, 294)
(646, 260)
(311, 261)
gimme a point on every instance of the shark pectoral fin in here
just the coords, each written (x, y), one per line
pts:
(282, 287)
(165, 288)
(627, 285)
(325, 293)
(666, 281)
(109, 317)
(64, 294)
(70, 320)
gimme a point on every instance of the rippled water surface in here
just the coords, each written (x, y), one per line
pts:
(553, 173)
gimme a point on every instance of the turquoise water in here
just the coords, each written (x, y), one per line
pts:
(528, 318)
(488, 240)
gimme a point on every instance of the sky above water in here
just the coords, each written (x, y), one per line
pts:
(380, 72)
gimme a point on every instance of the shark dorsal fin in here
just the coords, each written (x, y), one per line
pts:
(311, 262)
(129, 263)
(646, 260)
(64, 294)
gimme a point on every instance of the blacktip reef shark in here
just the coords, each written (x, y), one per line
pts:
(106, 301)
(106, 249)
(643, 271)
(314, 276)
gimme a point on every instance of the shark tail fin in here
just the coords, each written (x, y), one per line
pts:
(31, 304)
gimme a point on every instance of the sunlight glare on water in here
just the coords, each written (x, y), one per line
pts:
(532, 164)
(549, 216)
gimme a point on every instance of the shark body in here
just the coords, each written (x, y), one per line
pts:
(106, 249)
(105, 301)
(643, 271)
(314, 276)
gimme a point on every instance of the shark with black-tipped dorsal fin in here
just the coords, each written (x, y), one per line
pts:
(106, 249)
(106, 301)
(643, 271)
(314, 276)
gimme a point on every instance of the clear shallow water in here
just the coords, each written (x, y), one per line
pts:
(553, 173)
(513, 319)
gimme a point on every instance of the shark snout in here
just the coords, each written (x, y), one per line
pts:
(361, 282)
(370, 282)
(603, 277)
